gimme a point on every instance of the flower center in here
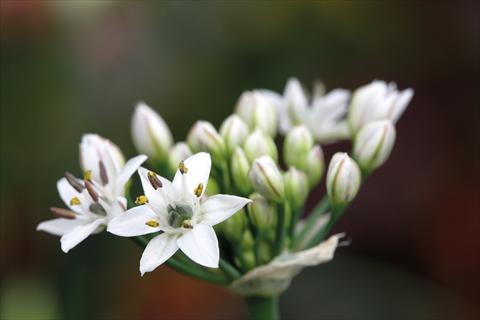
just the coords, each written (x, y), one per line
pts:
(178, 214)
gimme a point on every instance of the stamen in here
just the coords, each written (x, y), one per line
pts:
(103, 173)
(73, 181)
(98, 209)
(154, 180)
(62, 213)
(198, 190)
(187, 224)
(152, 223)
(90, 190)
(183, 169)
(75, 201)
(140, 200)
(87, 175)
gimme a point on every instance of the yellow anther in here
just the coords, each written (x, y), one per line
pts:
(141, 200)
(198, 190)
(152, 223)
(183, 169)
(87, 175)
(75, 201)
(151, 174)
(187, 224)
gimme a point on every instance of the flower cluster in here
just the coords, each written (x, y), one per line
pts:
(266, 158)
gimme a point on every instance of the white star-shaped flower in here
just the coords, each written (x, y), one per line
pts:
(179, 211)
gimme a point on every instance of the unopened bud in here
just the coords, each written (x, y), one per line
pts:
(150, 133)
(259, 144)
(258, 110)
(234, 227)
(297, 145)
(240, 167)
(267, 179)
(343, 179)
(204, 137)
(315, 165)
(296, 187)
(233, 131)
(262, 212)
(212, 187)
(373, 144)
(179, 152)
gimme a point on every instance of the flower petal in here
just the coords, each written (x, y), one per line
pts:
(79, 233)
(67, 192)
(155, 197)
(201, 245)
(221, 207)
(198, 170)
(133, 222)
(130, 167)
(158, 250)
(59, 226)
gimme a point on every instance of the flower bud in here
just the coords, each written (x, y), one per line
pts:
(296, 147)
(315, 165)
(258, 144)
(150, 134)
(343, 179)
(233, 131)
(296, 187)
(179, 152)
(212, 187)
(377, 101)
(258, 110)
(240, 167)
(234, 227)
(262, 212)
(267, 179)
(204, 137)
(373, 144)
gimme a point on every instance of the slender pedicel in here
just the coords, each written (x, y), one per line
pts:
(73, 181)
(62, 213)
(154, 180)
(91, 191)
(103, 173)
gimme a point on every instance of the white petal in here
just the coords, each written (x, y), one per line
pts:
(67, 192)
(198, 170)
(155, 197)
(59, 226)
(201, 245)
(133, 222)
(118, 207)
(158, 250)
(130, 167)
(79, 233)
(221, 207)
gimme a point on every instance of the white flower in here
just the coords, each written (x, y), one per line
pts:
(323, 114)
(178, 210)
(258, 108)
(343, 179)
(97, 199)
(377, 101)
(150, 133)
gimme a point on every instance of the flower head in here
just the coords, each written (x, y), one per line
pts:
(179, 211)
(96, 199)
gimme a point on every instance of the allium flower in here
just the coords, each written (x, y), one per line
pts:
(96, 199)
(323, 114)
(178, 210)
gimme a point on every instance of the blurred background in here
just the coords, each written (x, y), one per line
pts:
(71, 67)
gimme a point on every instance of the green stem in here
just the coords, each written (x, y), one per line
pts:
(320, 209)
(336, 214)
(263, 308)
(293, 223)
(280, 233)
(187, 269)
(229, 269)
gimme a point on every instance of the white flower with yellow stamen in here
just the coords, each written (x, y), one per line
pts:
(97, 199)
(178, 210)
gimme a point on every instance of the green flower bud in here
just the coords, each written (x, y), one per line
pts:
(262, 212)
(296, 187)
(179, 152)
(212, 187)
(315, 165)
(296, 147)
(234, 227)
(267, 179)
(204, 137)
(240, 166)
(343, 179)
(258, 144)
(373, 144)
(234, 131)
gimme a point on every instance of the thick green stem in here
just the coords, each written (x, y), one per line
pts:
(263, 308)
